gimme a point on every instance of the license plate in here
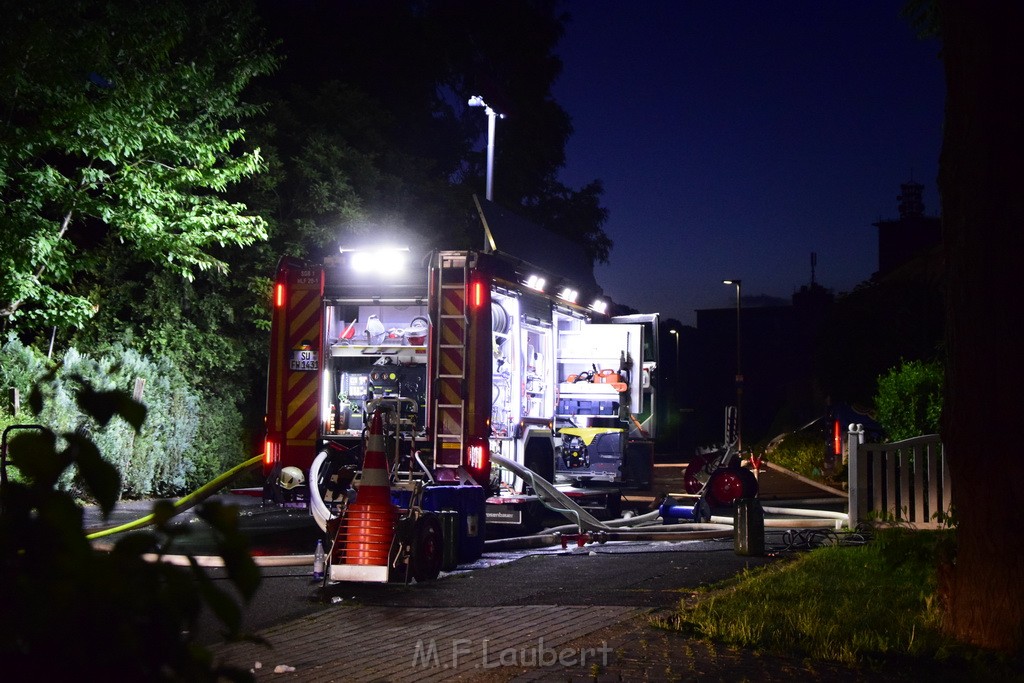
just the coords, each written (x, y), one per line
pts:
(303, 359)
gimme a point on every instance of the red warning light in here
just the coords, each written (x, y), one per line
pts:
(477, 294)
(279, 295)
(271, 453)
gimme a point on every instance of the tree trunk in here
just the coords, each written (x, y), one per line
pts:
(982, 188)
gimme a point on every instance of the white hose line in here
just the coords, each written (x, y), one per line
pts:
(824, 514)
(317, 507)
(626, 535)
(546, 489)
(638, 520)
(213, 561)
(522, 542)
(672, 532)
(787, 523)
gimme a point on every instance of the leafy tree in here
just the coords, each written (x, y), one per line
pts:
(121, 130)
(68, 609)
(419, 151)
(909, 399)
(907, 310)
(337, 174)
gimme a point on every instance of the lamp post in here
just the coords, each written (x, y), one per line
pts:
(739, 371)
(477, 101)
(679, 431)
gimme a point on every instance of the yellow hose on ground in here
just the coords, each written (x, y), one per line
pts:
(185, 502)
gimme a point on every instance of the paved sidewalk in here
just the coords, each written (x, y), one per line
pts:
(428, 644)
(520, 644)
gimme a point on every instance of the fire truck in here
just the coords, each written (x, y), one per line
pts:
(472, 354)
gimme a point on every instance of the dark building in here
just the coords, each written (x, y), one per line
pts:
(777, 363)
(913, 233)
(780, 342)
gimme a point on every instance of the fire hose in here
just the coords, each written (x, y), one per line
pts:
(597, 530)
(185, 502)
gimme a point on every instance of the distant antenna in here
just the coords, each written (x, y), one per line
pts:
(814, 262)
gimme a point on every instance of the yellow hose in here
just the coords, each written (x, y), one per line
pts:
(185, 502)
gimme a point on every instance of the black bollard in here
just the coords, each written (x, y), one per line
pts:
(749, 521)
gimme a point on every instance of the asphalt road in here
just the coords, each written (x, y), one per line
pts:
(632, 574)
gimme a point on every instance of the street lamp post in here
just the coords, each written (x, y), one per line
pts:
(739, 371)
(679, 430)
(477, 101)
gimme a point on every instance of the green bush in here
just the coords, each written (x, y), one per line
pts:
(909, 399)
(156, 460)
(807, 453)
(220, 439)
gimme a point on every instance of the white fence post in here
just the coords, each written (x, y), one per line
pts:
(856, 474)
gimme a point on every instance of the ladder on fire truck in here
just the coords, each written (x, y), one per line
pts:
(450, 358)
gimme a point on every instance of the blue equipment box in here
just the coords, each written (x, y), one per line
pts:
(467, 501)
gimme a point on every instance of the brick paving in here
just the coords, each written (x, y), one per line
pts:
(425, 644)
(521, 644)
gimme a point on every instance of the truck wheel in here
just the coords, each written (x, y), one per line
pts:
(427, 548)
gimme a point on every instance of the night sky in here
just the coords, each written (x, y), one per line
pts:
(735, 138)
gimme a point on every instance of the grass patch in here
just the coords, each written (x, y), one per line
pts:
(851, 605)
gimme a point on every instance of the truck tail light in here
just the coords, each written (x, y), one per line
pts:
(837, 439)
(271, 453)
(279, 295)
(478, 460)
(478, 294)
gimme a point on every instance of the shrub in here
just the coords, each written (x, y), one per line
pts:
(155, 460)
(807, 453)
(909, 399)
(219, 440)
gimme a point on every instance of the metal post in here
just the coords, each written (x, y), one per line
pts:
(678, 381)
(739, 369)
(748, 523)
(492, 116)
(856, 474)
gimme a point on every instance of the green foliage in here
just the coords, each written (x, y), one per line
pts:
(70, 610)
(899, 545)
(219, 439)
(909, 399)
(212, 329)
(363, 136)
(155, 459)
(909, 309)
(808, 453)
(121, 131)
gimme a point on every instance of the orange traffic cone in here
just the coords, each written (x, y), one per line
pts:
(370, 521)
